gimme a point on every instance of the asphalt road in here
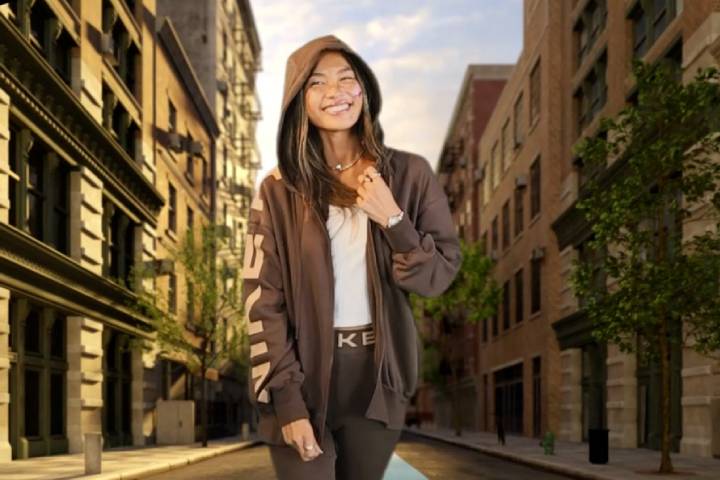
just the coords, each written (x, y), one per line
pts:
(433, 459)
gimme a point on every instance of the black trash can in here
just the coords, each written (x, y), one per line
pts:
(598, 445)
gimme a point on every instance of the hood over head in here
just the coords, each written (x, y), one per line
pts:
(303, 60)
(300, 65)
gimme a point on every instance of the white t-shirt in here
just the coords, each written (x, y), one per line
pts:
(347, 228)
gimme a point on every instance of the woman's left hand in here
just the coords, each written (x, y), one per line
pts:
(375, 197)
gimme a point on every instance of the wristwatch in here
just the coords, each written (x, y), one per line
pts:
(394, 219)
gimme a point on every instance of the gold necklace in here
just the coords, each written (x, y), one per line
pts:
(339, 168)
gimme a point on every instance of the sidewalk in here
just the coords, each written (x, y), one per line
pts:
(121, 463)
(571, 458)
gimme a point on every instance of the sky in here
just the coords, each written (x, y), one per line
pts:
(419, 50)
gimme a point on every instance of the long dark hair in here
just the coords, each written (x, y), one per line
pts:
(300, 152)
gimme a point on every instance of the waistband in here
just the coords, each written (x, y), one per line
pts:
(347, 338)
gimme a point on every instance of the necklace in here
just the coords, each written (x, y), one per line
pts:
(339, 168)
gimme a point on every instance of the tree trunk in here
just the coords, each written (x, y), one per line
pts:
(203, 404)
(666, 465)
(664, 348)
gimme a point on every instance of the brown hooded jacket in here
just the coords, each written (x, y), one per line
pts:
(288, 281)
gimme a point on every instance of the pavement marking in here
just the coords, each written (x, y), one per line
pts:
(399, 469)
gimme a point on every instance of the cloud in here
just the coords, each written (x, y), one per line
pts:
(398, 30)
(418, 50)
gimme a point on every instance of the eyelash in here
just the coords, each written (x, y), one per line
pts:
(314, 82)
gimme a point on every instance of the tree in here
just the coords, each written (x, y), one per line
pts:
(472, 296)
(211, 335)
(663, 285)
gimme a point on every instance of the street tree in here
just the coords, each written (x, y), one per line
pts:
(652, 285)
(210, 337)
(473, 296)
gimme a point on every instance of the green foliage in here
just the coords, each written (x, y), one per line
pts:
(472, 296)
(667, 144)
(213, 334)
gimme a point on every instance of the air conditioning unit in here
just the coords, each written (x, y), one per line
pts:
(222, 86)
(493, 255)
(521, 181)
(195, 147)
(107, 44)
(174, 141)
(538, 253)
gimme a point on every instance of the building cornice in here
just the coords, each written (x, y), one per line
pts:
(40, 94)
(31, 268)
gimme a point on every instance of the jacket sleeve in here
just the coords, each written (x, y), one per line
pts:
(426, 253)
(276, 374)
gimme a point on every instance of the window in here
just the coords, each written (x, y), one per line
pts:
(592, 93)
(36, 193)
(172, 293)
(190, 219)
(506, 305)
(519, 301)
(190, 164)
(537, 396)
(38, 190)
(120, 243)
(485, 330)
(649, 20)
(486, 185)
(205, 177)
(506, 225)
(172, 209)
(588, 27)
(535, 188)
(494, 167)
(535, 92)
(535, 285)
(225, 161)
(190, 301)
(495, 233)
(495, 324)
(519, 212)
(172, 117)
(507, 145)
(518, 125)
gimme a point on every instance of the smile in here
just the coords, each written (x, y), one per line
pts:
(337, 109)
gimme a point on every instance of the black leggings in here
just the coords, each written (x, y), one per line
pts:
(354, 447)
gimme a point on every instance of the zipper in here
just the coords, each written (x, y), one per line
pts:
(299, 276)
(379, 335)
(328, 258)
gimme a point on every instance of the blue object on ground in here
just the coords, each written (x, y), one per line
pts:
(399, 469)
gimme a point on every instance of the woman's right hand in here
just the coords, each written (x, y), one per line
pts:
(299, 435)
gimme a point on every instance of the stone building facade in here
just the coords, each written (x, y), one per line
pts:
(222, 44)
(87, 157)
(601, 386)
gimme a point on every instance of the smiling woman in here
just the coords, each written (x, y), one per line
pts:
(338, 236)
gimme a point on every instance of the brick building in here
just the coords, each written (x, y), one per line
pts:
(458, 173)
(537, 365)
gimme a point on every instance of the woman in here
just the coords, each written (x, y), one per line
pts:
(338, 235)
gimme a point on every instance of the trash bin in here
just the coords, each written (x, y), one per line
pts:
(598, 445)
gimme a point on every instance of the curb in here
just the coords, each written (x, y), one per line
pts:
(161, 467)
(513, 457)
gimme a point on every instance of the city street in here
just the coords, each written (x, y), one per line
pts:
(435, 460)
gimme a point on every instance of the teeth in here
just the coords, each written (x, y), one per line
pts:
(338, 108)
